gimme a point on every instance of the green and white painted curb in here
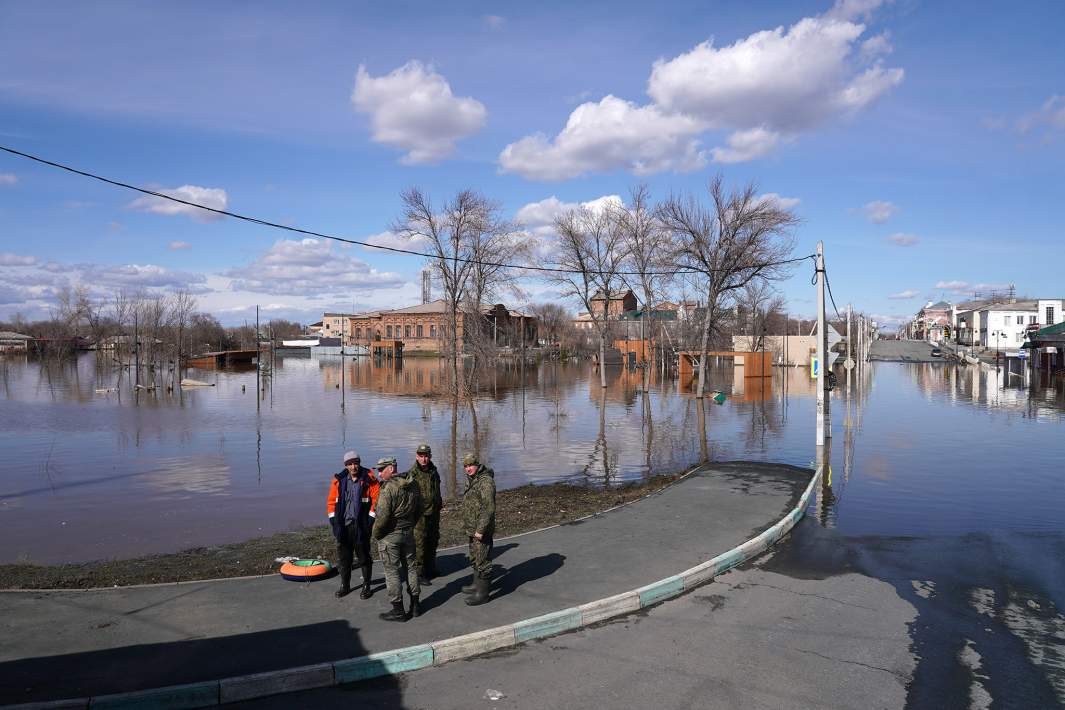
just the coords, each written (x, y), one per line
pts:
(412, 658)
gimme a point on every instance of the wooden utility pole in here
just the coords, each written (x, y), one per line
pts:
(823, 416)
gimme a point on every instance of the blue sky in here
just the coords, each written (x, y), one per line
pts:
(922, 142)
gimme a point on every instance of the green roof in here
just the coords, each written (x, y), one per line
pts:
(1051, 330)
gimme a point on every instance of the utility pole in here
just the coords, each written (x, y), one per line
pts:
(823, 419)
(258, 364)
(849, 363)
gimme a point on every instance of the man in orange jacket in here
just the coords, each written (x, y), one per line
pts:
(350, 507)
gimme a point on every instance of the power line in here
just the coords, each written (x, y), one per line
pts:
(831, 297)
(308, 232)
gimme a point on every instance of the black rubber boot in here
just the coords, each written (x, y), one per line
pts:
(366, 593)
(415, 607)
(397, 613)
(345, 582)
(472, 586)
(480, 592)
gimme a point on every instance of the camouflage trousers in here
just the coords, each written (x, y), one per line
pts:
(396, 550)
(426, 540)
(481, 556)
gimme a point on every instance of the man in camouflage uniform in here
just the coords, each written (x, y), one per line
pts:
(479, 522)
(399, 505)
(427, 530)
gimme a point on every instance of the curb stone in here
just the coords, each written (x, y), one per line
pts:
(436, 653)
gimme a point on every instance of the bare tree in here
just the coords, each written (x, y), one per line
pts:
(591, 253)
(649, 249)
(182, 306)
(553, 320)
(736, 239)
(456, 236)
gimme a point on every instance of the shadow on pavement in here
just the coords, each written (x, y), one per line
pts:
(449, 564)
(144, 666)
(527, 571)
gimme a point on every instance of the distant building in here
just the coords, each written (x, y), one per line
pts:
(335, 325)
(424, 327)
(617, 302)
(11, 342)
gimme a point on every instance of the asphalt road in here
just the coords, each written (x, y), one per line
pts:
(753, 638)
(902, 351)
(67, 644)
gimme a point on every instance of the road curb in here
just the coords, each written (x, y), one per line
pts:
(436, 653)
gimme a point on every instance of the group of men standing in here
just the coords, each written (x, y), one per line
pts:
(400, 510)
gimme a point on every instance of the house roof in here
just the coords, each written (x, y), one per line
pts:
(614, 295)
(438, 306)
(11, 335)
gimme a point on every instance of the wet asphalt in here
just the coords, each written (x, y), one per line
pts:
(68, 644)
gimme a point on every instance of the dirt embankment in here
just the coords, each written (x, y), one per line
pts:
(517, 510)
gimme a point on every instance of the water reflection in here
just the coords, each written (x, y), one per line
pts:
(907, 438)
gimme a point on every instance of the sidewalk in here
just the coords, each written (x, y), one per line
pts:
(74, 644)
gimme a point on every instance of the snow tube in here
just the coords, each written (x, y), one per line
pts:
(306, 570)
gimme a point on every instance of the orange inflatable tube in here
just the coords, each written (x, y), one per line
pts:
(306, 570)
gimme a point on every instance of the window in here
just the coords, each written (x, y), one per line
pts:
(406, 331)
(1050, 315)
(358, 333)
(419, 331)
(432, 330)
(1031, 319)
(388, 332)
(1020, 320)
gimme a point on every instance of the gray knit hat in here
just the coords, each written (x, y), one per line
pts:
(351, 456)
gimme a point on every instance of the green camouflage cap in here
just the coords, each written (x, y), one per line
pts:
(470, 460)
(425, 449)
(386, 461)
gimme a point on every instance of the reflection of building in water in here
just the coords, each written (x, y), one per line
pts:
(421, 376)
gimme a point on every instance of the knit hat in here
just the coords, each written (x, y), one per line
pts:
(470, 460)
(386, 461)
(425, 449)
(351, 456)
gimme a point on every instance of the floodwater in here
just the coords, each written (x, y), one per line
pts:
(919, 449)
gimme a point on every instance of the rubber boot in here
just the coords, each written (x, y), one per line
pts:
(480, 592)
(397, 613)
(366, 593)
(415, 607)
(472, 586)
(345, 582)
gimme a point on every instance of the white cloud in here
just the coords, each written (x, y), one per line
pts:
(9, 259)
(779, 201)
(902, 239)
(953, 285)
(764, 90)
(610, 135)
(879, 211)
(8, 178)
(412, 108)
(903, 295)
(1051, 115)
(396, 241)
(786, 81)
(175, 246)
(309, 268)
(747, 145)
(539, 217)
(213, 197)
(137, 276)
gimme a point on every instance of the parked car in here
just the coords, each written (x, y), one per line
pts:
(936, 352)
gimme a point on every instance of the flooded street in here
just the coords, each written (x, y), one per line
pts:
(919, 449)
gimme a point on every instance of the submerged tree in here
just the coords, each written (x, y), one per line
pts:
(736, 239)
(591, 255)
(463, 236)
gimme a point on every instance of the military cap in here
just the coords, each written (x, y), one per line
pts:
(386, 461)
(425, 449)
(470, 460)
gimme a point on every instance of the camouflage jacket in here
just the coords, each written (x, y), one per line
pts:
(479, 503)
(429, 484)
(399, 505)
